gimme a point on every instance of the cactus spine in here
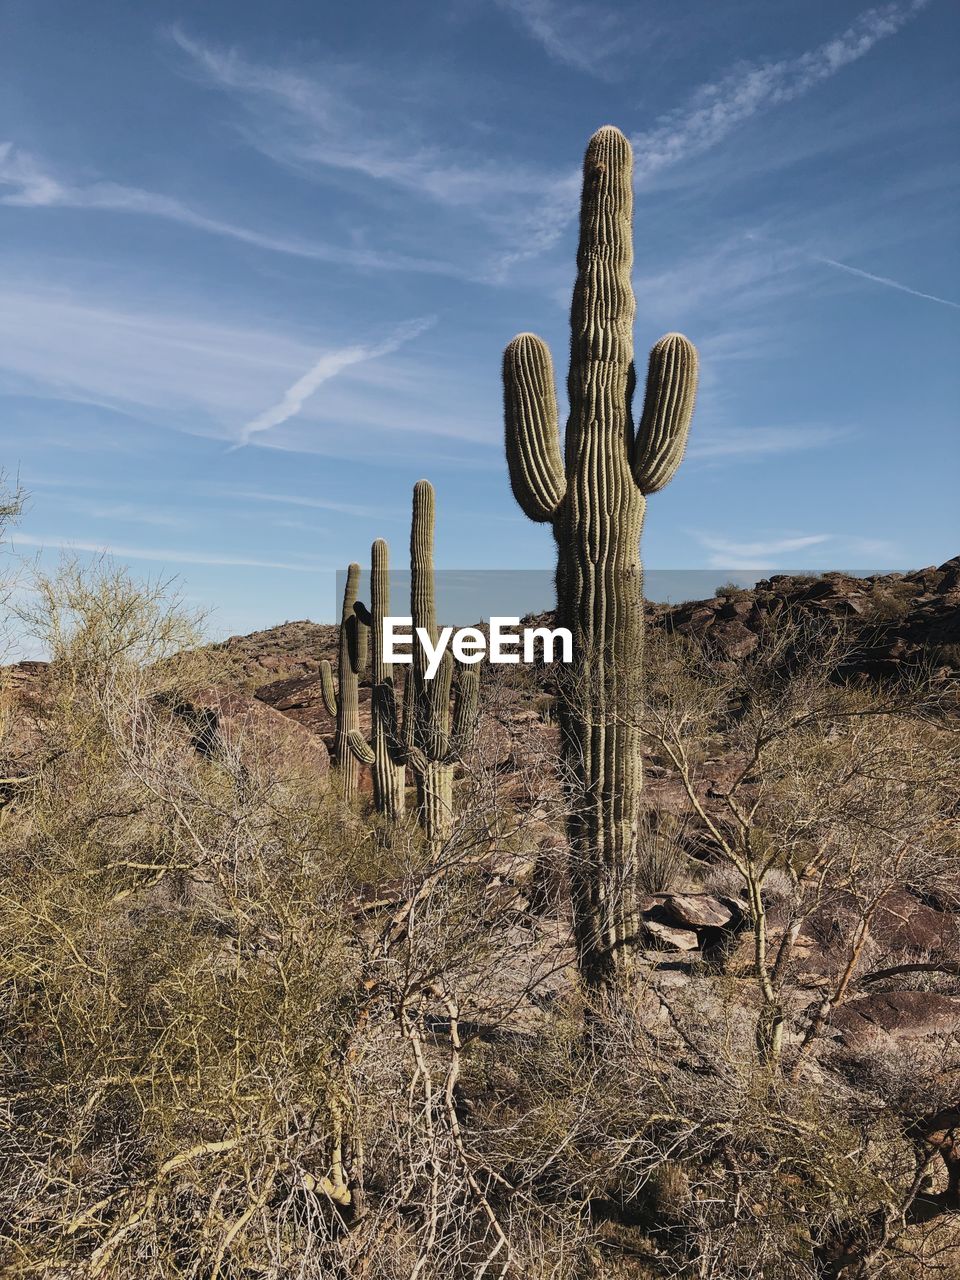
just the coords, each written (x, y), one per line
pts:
(384, 753)
(595, 498)
(433, 746)
(344, 705)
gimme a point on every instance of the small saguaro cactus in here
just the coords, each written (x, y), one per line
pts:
(434, 738)
(594, 496)
(344, 705)
(385, 752)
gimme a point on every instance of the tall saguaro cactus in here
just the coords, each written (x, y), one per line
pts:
(595, 498)
(435, 738)
(385, 752)
(345, 705)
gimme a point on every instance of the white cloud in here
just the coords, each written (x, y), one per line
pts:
(125, 512)
(560, 28)
(328, 366)
(133, 358)
(31, 186)
(762, 442)
(165, 555)
(320, 124)
(716, 109)
(175, 370)
(885, 280)
(727, 553)
(866, 554)
(292, 500)
(324, 122)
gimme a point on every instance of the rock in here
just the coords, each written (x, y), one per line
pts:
(733, 639)
(905, 924)
(22, 714)
(696, 911)
(265, 741)
(665, 935)
(290, 694)
(898, 1015)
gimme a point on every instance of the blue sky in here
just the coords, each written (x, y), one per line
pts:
(259, 263)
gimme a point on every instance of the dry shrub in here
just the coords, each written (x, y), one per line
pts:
(250, 1033)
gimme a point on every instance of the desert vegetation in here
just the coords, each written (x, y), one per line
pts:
(645, 968)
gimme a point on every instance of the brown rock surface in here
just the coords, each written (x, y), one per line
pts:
(898, 1015)
(262, 739)
(661, 934)
(697, 910)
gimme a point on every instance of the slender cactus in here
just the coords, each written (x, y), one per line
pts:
(385, 752)
(345, 705)
(433, 743)
(595, 498)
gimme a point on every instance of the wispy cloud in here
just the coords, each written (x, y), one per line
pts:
(135, 372)
(718, 108)
(886, 281)
(763, 442)
(727, 553)
(165, 555)
(558, 27)
(328, 366)
(301, 526)
(318, 123)
(859, 553)
(321, 123)
(30, 185)
(177, 363)
(292, 500)
(125, 512)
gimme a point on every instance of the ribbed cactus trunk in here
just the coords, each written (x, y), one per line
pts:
(431, 698)
(344, 704)
(595, 500)
(388, 771)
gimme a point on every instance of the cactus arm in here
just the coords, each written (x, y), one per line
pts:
(667, 410)
(327, 688)
(384, 702)
(436, 740)
(360, 747)
(389, 772)
(406, 696)
(359, 634)
(465, 708)
(347, 702)
(384, 753)
(532, 430)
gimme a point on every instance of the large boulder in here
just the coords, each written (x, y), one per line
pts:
(896, 1015)
(230, 726)
(697, 910)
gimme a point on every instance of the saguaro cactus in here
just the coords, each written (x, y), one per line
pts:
(434, 738)
(385, 752)
(351, 664)
(595, 498)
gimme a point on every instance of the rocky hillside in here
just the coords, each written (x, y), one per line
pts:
(897, 619)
